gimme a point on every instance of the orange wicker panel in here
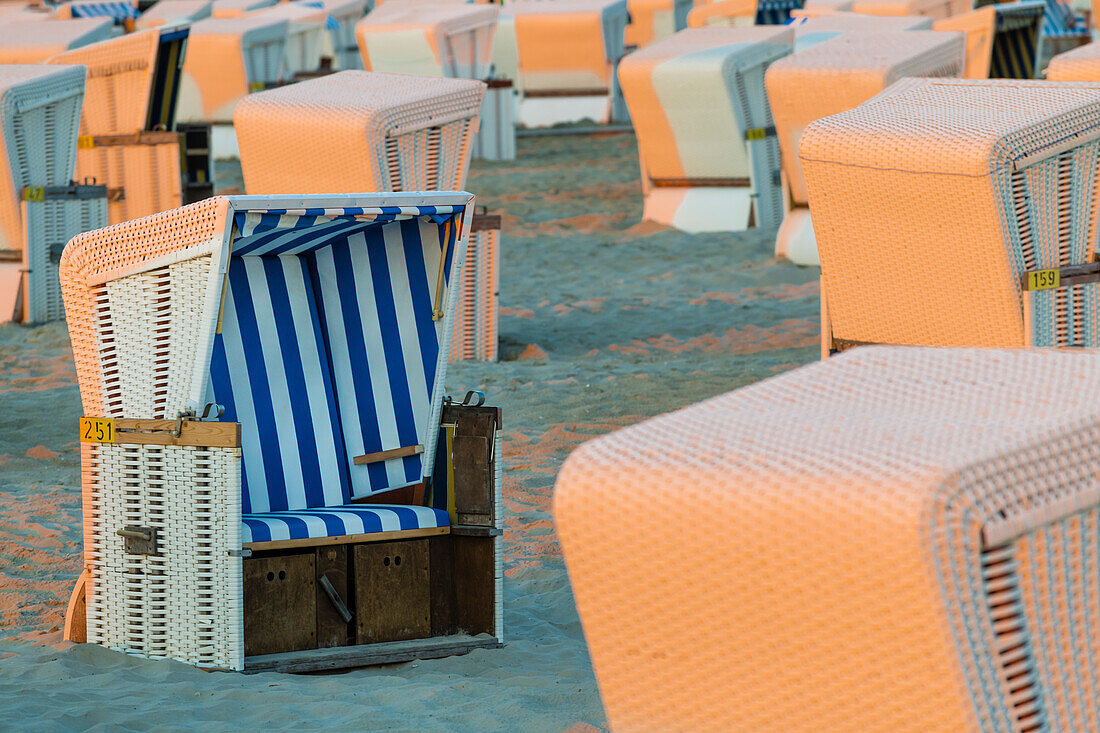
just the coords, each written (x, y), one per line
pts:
(35, 41)
(459, 36)
(562, 45)
(1080, 64)
(841, 73)
(835, 549)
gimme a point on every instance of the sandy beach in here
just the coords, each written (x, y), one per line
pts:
(605, 321)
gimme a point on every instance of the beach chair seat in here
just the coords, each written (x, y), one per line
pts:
(174, 12)
(32, 42)
(1002, 40)
(706, 140)
(39, 208)
(428, 39)
(898, 539)
(128, 140)
(1080, 64)
(270, 372)
(120, 12)
(563, 56)
(1003, 156)
(347, 523)
(226, 59)
(305, 35)
(833, 76)
(652, 20)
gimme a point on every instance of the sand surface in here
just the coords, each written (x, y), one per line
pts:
(606, 321)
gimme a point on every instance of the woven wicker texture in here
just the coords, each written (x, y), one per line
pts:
(993, 178)
(35, 41)
(652, 20)
(568, 44)
(892, 541)
(47, 226)
(39, 113)
(382, 132)
(1080, 64)
(429, 39)
(226, 59)
(1002, 41)
(169, 12)
(843, 72)
(693, 98)
(477, 313)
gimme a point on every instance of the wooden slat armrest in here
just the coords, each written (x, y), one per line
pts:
(192, 432)
(408, 450)
(348, 539)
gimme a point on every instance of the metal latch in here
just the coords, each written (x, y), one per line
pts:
(139, 540)
(334, 596)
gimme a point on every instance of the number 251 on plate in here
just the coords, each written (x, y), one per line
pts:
(97, 430)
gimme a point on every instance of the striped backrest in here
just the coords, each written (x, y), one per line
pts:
(329, 350)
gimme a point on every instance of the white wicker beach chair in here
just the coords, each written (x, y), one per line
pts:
(128, 140)
(709, 155)
(226, 59)
(33, 42)
(428, 39)
(321, 324)
(652, 20)
(39, 210)
(339, 44)
(237, 8)
(174, 12)
(1002, 40)
(305, 35)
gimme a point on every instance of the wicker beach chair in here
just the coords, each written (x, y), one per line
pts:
(1002, 40)
(383, 132)
(226, 59)
(1014, 160)
(1080, 64)
(32, 42)
(22, 12)
(936, 9)
(305, 37)
(836, 75)
(120, 12)
(563, 56)
(428, 39)
(127, 138)
(744, 12)
(39, 209)
(652, 20)
(174, 12)
(893, 541)
(706, 140)
(339, 43)
(237, 8)
(1064, 29)
(810, 29)
(322, 520)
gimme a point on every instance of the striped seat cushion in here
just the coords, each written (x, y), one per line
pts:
(338, 521)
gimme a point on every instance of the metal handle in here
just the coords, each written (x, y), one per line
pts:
(136, 534)
(337, 601)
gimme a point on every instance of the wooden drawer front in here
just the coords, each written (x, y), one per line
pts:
(392, 593)
(280, 604)
(332, 563)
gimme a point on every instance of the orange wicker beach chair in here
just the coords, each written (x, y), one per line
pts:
(174, 12)
(1080, 64)
(723, 13)
(836, 75)
(121, 12)
(237, 8)
(269, 476)
(305, 36)
(706, 140)
(128, 140)
(428, 39)
(39, 208)
(1002, 40)
(226, 59)
(32, 42)
(895, 541)
(937, 9)
(990, 178)
(563, 56)
(652, 20)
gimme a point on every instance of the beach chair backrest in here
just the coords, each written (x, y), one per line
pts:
(35, 41)
(321, 323)
(169, 12)
(118, 11)
(429, 39)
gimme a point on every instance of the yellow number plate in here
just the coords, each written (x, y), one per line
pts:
(85, 142)
(97, 430)
(34, 193)
(256, 86)
(758, 133)
(1043, 279)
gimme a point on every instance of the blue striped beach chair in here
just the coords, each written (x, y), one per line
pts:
(121, 12)
(776, 12)
(304, 525)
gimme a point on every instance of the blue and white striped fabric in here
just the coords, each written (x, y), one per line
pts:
(776, 12)
(328, 349)
(120, 11)
(339, 521)
(1060, 20)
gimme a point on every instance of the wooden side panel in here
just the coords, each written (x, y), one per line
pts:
(280, 604)
(475, 587)
(332, 562)
(472, 456)
(441, 552)
(392, 588)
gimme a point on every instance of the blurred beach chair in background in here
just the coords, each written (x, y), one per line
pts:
(383, 132)
(174, 12)
(743, 12)
(563, 56)
(898, 539)
(32, 42)
(445, 39)
(340, 44)
(987, 188)
(128, 141)
(120, 12)
(835, 75)
(237, 8)
(1002, 40)
(1064, 29)
(340, 512)
(1080, 64)
(40, 209)
(652, 20)
(22, 12)
(810, 30)
(706, 139)
(305, 37)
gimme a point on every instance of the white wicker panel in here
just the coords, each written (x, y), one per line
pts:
(185, 602)
(263, 60)
(496, 137)
(49, 225)
(477, 308)
(498, 541)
